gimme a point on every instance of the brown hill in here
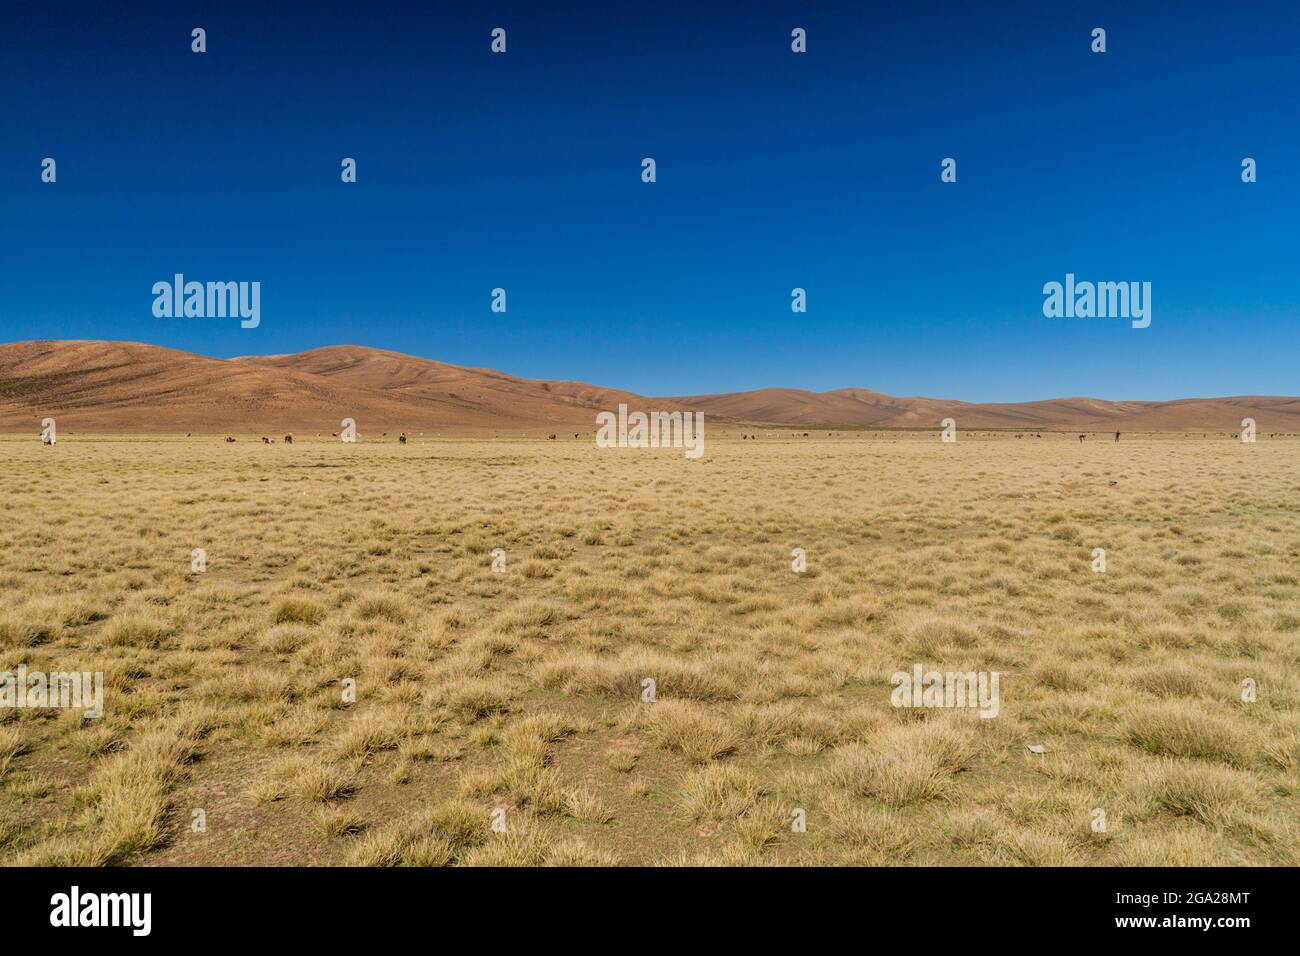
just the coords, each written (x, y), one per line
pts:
(132, 387)
(865, 408)
(451, 393)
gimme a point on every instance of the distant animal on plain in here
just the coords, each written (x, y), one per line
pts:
(550, 438)
(1082, 437)
(265, 440)
(288, 439)
(228, 438)
(1117, 436)
(401, 439)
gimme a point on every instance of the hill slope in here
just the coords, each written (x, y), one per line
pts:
(133, 387)
(862, 407)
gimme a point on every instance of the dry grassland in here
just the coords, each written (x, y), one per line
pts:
(522, 690)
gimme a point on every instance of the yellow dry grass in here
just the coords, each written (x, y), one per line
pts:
(517, 697)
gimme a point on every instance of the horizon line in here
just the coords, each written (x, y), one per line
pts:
(691, 395)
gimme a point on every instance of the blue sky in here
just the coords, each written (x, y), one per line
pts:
(775, 170)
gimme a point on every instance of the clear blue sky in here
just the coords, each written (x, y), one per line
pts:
(775, 170)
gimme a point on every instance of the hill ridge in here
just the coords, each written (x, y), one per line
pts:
(138, 387)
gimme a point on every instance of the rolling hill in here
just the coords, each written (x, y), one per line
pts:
(133, 387)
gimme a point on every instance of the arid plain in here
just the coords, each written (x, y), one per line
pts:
(515, 696)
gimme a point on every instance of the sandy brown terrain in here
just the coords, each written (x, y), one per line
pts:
(133, 388)
(865, 408)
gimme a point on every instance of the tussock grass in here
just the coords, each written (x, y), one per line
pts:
(693, 730)
(908, 763)
(297, 611)
(437, 836)
(523, 691)
(11, 745)
(1178, 730)
(1206, 793)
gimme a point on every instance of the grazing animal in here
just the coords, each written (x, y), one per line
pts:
(550, 438)
(228, 438)
(288, 439)
(1082, 437)
(401, 439)
(265, 440)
